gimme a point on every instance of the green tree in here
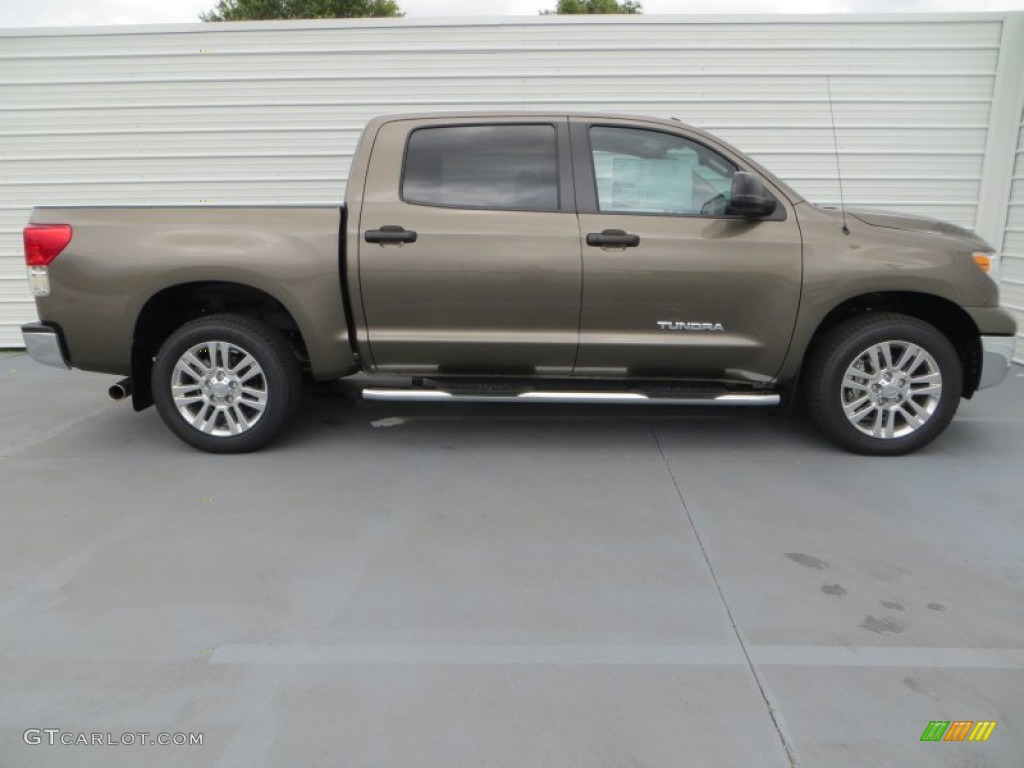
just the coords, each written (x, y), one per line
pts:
(261, 10)
(597, 6)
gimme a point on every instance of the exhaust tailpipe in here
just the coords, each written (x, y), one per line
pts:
(121, 390)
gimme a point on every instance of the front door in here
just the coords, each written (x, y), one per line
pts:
(673, 284)
(470, 255)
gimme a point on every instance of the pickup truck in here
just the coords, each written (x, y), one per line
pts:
(527, 258)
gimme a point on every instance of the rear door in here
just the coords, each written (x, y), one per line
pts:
(673, 285)
(469, 248)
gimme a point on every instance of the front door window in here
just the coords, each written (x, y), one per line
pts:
(649, 172)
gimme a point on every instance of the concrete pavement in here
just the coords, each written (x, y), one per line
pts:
(436, 586)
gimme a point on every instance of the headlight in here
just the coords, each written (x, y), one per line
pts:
(989, 263)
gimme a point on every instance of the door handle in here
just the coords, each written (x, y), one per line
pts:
(613, 238)
(392, 233)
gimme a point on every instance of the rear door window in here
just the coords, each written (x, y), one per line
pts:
(503, 167)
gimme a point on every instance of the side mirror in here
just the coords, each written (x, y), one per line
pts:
(750, 198)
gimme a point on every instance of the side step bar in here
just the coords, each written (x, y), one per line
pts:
(615, 398)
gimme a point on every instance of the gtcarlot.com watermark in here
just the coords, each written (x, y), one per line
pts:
(55, 736)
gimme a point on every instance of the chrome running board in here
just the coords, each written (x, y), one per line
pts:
(612, 398)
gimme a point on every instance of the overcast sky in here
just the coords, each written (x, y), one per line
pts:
(34, 13)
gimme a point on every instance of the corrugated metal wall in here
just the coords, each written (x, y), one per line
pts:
(1013, 245)
(270, 113)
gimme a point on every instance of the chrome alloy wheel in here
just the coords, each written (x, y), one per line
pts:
(891, 389)
(219, 388)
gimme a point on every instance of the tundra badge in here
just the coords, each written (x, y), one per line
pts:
(675, 325)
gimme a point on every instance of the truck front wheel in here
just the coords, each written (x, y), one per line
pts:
(226, 383)
(884, 384)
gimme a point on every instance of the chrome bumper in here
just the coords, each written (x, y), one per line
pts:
(996, 358)
(45, 345)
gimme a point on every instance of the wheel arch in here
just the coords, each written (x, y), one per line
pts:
(947, 316)
(173, 306)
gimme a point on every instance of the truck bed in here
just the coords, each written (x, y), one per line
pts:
(122, 258)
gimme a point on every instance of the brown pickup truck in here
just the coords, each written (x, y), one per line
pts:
(536, 258)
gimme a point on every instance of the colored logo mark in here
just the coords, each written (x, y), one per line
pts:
(958, 730)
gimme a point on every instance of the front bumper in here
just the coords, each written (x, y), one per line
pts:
(996, 358)
(45, 345)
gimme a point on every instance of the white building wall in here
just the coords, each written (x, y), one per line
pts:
(270, 112)
(1013, 245)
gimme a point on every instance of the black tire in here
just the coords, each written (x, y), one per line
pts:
(262, 401)
(847, 347)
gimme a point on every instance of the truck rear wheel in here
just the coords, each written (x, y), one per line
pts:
(226, 383)
(884, 384)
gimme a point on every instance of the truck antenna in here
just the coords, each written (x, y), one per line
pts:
(835, 143)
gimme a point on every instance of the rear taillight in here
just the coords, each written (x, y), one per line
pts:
(44, 242)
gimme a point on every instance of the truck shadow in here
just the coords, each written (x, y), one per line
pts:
(333, 416)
